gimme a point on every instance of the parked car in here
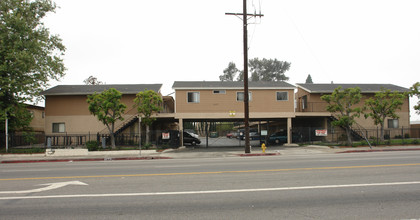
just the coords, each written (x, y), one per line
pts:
(190, 139)
(232, 135)
(277, 138)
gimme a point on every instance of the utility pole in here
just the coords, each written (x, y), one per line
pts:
(246, 93)
(7, 132)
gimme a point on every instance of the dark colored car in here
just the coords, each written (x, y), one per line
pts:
(189, 139)
(277, 138)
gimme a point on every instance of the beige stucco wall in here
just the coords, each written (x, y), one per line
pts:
(73, 111)
(82, 124)
(38, 120)
(403, 113)
(262, 101)
(76, 105)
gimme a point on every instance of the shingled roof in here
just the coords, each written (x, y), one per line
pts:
(365, 88)
(230, 85)
(90, 89)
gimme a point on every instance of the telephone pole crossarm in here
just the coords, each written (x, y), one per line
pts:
(241, 14)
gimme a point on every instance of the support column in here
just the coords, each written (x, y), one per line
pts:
(289, 130)
(181, 131)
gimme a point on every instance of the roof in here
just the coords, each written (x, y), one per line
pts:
(90, 89)
(365, 88)
(230, 85)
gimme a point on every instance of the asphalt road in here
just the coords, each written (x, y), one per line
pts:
(383, 185)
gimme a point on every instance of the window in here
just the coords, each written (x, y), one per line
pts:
(393, 123)
(304, 101)
(58, 128)
(282, 96)
(240, 96)
(219, 91)
(193, 97)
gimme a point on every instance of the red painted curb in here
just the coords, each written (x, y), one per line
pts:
(87, 159)
(260, 154)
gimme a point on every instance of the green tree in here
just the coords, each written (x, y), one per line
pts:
(309, 79)
(341, 104)
(148, 103)
(91, 80)
(29, 56)
(107, 107)
(229, 73)
(384, 104)
(259, 70)
(415, 91)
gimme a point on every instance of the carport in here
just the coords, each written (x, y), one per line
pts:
(260, 129)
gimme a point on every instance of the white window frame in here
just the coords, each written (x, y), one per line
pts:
(249, 96)
(193, 101)
(287, 96)
(61, 127)
(393, 123)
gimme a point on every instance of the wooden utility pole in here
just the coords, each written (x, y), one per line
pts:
(246, 92)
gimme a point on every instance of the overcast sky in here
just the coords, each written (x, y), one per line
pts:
(162, 41)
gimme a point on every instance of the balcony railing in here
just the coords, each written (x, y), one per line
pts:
(312, 107)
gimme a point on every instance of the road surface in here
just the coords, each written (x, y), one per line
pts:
(383, 185)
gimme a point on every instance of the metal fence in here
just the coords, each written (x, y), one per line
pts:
(338, 135)
(300, 135)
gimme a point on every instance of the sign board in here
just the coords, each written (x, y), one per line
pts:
(232, 113)
(264, 132)
(165, 136)
(322, 132)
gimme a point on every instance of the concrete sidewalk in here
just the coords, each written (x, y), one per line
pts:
(71, 155)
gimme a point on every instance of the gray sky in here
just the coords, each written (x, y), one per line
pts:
(162, 41)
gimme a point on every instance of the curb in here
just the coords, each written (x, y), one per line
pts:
(377, 150)
(84, 159)
(259, 154)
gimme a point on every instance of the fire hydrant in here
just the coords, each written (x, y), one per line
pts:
(263, 147)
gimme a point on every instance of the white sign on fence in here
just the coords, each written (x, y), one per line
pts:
(322, 132)
(165, 136)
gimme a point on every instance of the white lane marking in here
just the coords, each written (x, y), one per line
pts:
(212, 191)
(49, 186)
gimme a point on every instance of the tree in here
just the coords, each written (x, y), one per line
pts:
(229, 73)
(309, 79)
(29, 56)
(91, 80)
(341, 103)
(415, 91)
(259, 70)
(148, 102)
(107, 107)
(384, 104)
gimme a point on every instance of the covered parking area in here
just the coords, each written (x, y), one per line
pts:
(229, 132)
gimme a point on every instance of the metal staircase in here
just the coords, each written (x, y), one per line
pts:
(130, 117)
(357, 133)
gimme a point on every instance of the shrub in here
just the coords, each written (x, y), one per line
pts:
(398, 136)
(92, 145)
(407, 136)
(415, 141)
(23, 150)
(147, 146)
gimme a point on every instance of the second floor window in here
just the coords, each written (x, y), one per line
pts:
(240, 96)
(193, 97)
(282, 96)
